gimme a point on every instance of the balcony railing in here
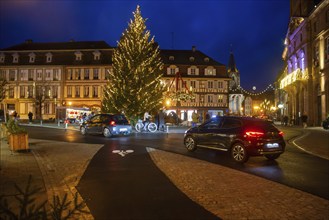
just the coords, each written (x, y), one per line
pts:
(296, 75)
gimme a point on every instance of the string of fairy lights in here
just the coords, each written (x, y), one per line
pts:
(240, 89)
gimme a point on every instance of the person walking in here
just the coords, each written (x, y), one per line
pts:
(30, 115)
(304, 120)
(195, 118)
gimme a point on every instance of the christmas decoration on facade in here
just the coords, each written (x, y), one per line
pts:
(178, 91)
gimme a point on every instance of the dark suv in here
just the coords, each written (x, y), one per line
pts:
(241, 136)
(106, 124)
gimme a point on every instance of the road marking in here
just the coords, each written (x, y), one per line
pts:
(122, 152)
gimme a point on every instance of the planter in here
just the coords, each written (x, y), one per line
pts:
(18, 142)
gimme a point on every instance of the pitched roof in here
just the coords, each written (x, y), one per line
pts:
(71, 45)
(184, 57)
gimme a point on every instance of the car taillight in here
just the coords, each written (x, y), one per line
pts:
(254, 134)
(281, 133)
(112, 123)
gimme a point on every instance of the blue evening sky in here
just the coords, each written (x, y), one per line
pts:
(254, 29)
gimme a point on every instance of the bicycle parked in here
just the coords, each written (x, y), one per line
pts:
(146, 126)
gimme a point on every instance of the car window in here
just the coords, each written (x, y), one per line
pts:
(120, 118)
(231, 123)
(105, 118)
(212, 124)
(96, 119)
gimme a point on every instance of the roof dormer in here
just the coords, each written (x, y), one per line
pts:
(192, 59)
(171, 58)
(2, 57)
(78, 55)
(49, 57)
(15, 58)
(97, 55)
(32, 57)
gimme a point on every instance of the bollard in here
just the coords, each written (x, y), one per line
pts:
(66, 122)
(41, 122)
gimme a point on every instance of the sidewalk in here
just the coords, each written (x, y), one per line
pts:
(57, 167)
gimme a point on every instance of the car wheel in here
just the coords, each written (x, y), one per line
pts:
(239, 153)
(107, 133)
(83, 130)
(272, 156)
(190, 143)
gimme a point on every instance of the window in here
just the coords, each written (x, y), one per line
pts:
(210, 84)
(86, 75)
(39, 75)
(47, 108)
(95, 91)
(97, 55)
(55, 91)
(22, 91)
(11, 92)
(191, 59)
(78, 55)
(48, 74)
(49, 57)
(171, 58)
(15, 58)
(206, 59)
(210, 71)
(172, 70)
(201, 85)
(30, 75)
(220, 99)
(210, 99)
(32, 57)
(2, 74)
(77, 74)
(86, 91)
(30, 91)
(12, 75)
(231, 123)
(56, 74)
(193, 70)
(48, 91)
(69, 91)
(77, 91)
(220, 85)
(96, 71)
(212, 124)
(193, 84)
(2, 58)
(69, 74)
(202, 98)
(107, 73)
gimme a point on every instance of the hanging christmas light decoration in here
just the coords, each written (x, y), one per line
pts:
(180, 92)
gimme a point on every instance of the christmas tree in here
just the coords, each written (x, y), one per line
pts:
(134, 85)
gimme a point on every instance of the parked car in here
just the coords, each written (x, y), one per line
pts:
(106, 124)
(241, 136)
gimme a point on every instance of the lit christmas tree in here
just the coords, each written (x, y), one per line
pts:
(134, 85)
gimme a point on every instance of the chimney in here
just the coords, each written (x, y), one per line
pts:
(193, 48)
(28, 41)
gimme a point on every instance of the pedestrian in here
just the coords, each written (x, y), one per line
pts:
(285, 120)
(195, 118)
(200, 118)
(207, 116)
(30, 117)
(161, 120)
(304, 120)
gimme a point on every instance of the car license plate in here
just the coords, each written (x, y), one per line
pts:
(123, 129)
(272, 145)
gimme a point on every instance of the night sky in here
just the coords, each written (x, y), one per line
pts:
(253, 29)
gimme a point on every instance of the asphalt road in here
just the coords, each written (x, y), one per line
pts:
(295, 168)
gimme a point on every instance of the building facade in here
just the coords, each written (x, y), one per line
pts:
(303, 86)
(43, 77)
